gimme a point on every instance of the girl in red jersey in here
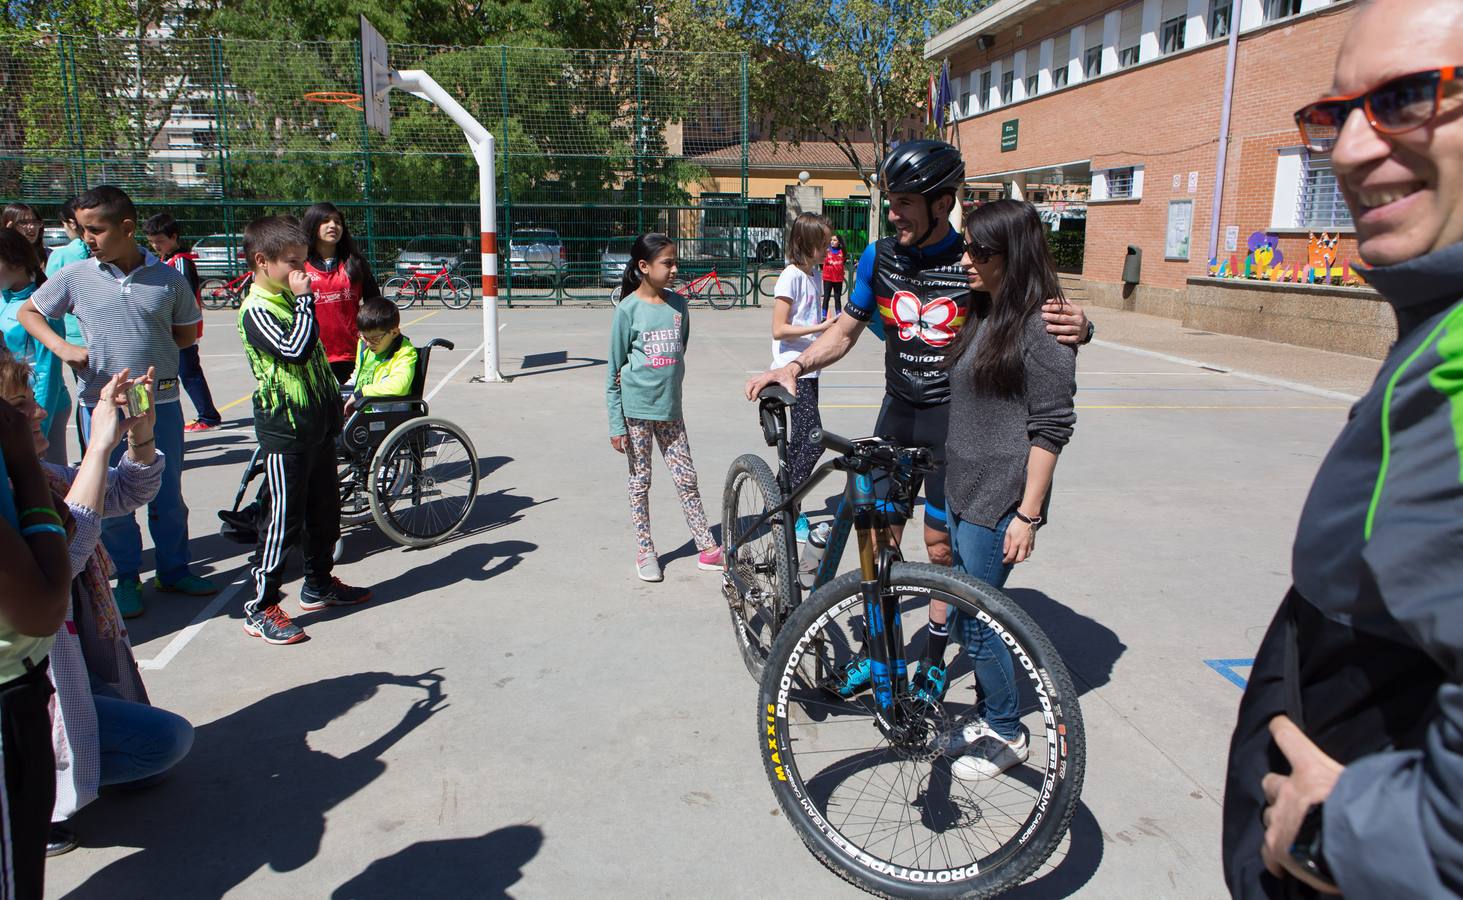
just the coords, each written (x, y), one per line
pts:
(833, 265)
(340, 278)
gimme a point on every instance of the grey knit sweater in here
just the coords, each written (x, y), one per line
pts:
(991, 436)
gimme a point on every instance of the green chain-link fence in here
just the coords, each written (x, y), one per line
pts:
(593, 148)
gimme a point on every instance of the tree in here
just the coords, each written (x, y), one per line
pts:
(848, 72)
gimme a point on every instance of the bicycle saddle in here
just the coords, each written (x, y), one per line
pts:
(777, 393)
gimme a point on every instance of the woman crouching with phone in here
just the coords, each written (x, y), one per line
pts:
(1011, 413)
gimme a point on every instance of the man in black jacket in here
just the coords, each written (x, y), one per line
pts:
(1346, 765)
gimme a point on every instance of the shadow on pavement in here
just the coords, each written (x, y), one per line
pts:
(482, 867)
(230, 458)
(470, 562)
(252, 770)
(1071, 870)
(571, 363)
(1089, 648)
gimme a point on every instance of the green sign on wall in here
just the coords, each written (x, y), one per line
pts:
(1008, 135)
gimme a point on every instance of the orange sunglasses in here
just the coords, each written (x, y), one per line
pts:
(1396, 106)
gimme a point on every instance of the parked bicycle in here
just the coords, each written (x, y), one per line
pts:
(718, 292)
(225, 293)
(453, 291)
(866, 780)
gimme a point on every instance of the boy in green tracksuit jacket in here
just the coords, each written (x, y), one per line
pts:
(296, 418)
(386, 361)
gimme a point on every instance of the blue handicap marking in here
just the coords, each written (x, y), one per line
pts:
(1226, 667)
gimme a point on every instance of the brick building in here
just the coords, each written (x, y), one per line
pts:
(1107, 115)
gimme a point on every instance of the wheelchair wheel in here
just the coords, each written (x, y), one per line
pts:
(423, 481)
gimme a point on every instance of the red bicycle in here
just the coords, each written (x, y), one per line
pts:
(406, 290)
(219, 293)
(716, 291)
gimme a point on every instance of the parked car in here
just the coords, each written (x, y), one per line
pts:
(427, 254)
(54, 237)
(613, 259)
(220, 255)
(537, 253)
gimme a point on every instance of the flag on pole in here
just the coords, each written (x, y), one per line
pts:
(930, 102)
(943, 96)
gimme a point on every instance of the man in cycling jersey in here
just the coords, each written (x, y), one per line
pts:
(911, 288)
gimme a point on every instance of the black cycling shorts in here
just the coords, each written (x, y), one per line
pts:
(917, 426)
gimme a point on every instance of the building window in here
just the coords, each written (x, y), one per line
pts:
(1321, 204)
(1031, 85)
(1130, 32)
(1120, 184)
(1219, 12)
(985, 89)
(1061, 52)
(1281, 9)
(964, 108)
(1092, 53)
(1171, 37)
(1008, 81)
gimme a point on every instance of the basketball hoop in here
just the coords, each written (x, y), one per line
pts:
(344, 98)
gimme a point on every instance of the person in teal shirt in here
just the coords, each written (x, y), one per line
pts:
(20, 274)
(62, 257)
(643, 393)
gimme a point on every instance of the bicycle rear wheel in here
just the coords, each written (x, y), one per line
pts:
(882, 807)
(721, 295)
(401, 291)
(215, 293)
(761, 593)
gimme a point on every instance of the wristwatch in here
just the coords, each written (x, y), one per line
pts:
(1034, 521)
(1091, 332)
(1308, 849)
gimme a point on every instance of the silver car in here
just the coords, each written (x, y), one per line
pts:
(536, 253)
(220, 255)
(426, 255)
(613, 259)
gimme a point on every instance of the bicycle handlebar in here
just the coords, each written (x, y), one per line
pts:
(840, 445)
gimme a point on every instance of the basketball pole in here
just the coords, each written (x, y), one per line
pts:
(420, 84)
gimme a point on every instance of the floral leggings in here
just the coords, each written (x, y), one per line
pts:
(675, 446)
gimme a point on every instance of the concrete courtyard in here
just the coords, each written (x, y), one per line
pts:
(515, 714)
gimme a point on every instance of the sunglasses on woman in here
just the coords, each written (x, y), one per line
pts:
(980, 252)
(1403, 104)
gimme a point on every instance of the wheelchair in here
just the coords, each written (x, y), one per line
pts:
(415, 474)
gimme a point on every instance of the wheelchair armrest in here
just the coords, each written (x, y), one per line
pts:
(439, 342)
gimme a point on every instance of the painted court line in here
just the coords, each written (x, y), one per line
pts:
(1249, 376)
(455, 369)
(1247, 407)
(181, 639)
(1226, 668)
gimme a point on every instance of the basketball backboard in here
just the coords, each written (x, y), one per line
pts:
(375, 78)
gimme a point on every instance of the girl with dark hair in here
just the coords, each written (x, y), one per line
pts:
(20, 275)
(28, 222)
(835, 260)
(1011, 413)
(643, 391)
(340, 278)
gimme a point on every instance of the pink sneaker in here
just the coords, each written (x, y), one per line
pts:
(710, 560)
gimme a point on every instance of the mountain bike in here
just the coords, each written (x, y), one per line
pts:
(218, 293)
(405, 291)
(866, 780)
(711, 287)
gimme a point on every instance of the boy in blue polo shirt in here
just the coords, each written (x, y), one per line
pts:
(136, 312)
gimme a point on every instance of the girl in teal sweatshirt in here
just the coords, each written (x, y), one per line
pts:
(643, 392)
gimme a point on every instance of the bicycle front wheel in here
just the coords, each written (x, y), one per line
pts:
(401, 291)
(455, 292)
(758, 577)
(721, 295)
(886, 805)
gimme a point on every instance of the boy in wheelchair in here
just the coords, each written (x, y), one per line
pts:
(386, 361)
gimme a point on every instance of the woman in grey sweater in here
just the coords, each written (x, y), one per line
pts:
(1011, 412)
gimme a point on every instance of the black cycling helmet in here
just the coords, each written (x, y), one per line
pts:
(922, 167)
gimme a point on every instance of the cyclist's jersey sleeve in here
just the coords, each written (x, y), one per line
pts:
(861, 303)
